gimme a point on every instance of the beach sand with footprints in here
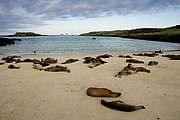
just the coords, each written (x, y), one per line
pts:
(31, 94)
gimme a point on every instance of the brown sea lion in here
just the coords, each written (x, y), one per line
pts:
(129, 69)
(57, 68)
(13, 67)
(89, 60)
(133, 61)
(105, 56)
(125, 56)
(152, 63)
(49, 60)
(70, 61)
(120, 105)
(101, 92)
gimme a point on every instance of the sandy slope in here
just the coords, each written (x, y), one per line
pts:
(29, 94)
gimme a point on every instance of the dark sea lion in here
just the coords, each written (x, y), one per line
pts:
(89, 60)
(13, 67)
(125, 56)
(57, 68)
(129, 69)
(172, 57)
(152, 63)
(1, 63)
(49, 60)
(105, 56)
(101, 92)
(139, 54)
(120, 105)
(70, 61)
(141, 69)
(134, 61)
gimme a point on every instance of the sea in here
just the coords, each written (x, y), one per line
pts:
(56, 44)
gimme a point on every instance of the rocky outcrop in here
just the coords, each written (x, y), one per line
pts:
(6, 41)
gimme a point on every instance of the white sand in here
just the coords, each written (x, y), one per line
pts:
(29, 94)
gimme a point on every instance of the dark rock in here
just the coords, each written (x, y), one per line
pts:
(6, 41)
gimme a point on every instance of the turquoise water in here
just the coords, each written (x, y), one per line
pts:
(83, 44)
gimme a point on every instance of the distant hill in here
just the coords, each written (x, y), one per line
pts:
(18, 34)
(170, 34)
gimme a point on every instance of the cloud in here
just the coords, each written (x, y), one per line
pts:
(17, 14)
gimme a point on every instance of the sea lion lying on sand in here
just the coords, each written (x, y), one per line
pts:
(49, 60)
(70, 61)
(146, 54)
(152, 63)
(57, 68)
(172, 57)
(134, 61)
(122, 106)
(129, 69)
(125, 56)
(94, 61)
(1, 63)
(13, 67)
(101, 92)
(38, 67)
(105, 56)
(10, 59)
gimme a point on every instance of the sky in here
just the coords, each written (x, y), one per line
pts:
(56, 17)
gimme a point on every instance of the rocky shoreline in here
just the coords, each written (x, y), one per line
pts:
(7, 41)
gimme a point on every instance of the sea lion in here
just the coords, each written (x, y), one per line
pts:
(36, 61)
(89, 60)
(38, 67)
(49, 60)
(141, 69)
(70, 61)
(57, 68)
(122, 106)
(134, 61)
(125, 56)
(1, 63)
(146, 54)
(172, 57)
(105, 56)
(129, 69)
(13, 67)
(152, 63)
(101, 92)
(158, 51)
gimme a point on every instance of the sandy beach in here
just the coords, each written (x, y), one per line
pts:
(29, 94)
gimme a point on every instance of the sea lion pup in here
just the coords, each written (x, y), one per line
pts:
(101, 92)
(13, 67)
(70, 61)
(38, 67)
(129, 69)
(152, 63)
(122, 106)
(57, 68)
(105, 56)
(134, 61)
(125, 56)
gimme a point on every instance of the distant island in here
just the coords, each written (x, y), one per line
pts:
(170, 34)
(19, 34)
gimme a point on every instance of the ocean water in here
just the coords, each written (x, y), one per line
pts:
(83, 45)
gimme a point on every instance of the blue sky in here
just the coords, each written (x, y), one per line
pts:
(80, 16)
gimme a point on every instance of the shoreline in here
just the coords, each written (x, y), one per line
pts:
(30, 94)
